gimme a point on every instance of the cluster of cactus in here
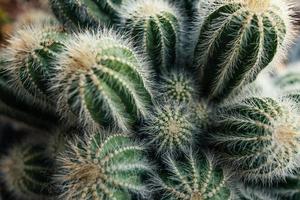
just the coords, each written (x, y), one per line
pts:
(152, 99)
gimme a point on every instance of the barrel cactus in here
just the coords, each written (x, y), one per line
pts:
(237, 40)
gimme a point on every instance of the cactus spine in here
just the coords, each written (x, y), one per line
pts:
(237, 40)
(102, 167)
(101, 80)
(197, 177)
(258, 137)
(155, 27)
(26, 172)
(86, 13)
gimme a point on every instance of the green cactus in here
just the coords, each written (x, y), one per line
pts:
(178, 87)
(155, 27)
(194, 178)
(258, 137)
(26, 173)
(102, 80)
(29, 57)
(237, 40)
(102, 167)
(169, 128)
(86, 13)
(247, 193)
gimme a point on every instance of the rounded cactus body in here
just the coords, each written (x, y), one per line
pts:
(237, 40)
(29, 59)
(101, 80)
(102, 167)
(155, 28)
(258, 138)
(26, 173)
(170, 127)
(86, 13)
(195, 178)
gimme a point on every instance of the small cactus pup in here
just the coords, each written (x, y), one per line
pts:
(169, 127)
(196, 177)
(258, 137)
(26, 171)
(82, 13)
(30, 54)
(102, 80)
(155, 27)
(102, 166)
(237, 40)
(178, 87)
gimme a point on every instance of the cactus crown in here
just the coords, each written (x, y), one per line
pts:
(258, 5)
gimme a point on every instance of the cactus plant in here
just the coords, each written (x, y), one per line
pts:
(197, 177)
(26, 172)
(155, 27)
(100, 79)
(102, 167)
(259, 138)
(237, 40)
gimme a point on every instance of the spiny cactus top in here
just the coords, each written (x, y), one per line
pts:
(82, 13)
(195, 178)
(237, 40)
(155, 27)
(259, 137)
(30, 54)
(102, 167)
(26, 172)
(102, 80)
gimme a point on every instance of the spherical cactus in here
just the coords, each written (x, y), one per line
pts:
(170, 127)
(258, 138)
(237, 40)
(155, 27)
(102, 167)
(30, 54)
(26, 173)
(194, 178)
(82, 13)
(102, 80)
(178, 87)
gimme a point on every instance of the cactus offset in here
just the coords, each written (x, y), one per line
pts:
(258, 137)
(238, 39)
(155, 27)
(102, 167)
(102, 80)
(195, 178)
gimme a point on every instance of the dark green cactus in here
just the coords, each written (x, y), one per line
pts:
(195, 178)
(102, 80)
(237, 40)
(102, 167)
(86, 13)
(26, 173)
(258, 137)
(155, 28)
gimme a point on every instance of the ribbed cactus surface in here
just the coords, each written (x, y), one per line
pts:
(194, 178)
(101, 80)
(102, 167)
(258, 137)
(237, 40)
(155, 28)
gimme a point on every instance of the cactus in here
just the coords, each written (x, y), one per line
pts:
(81, 13)
(26, 172)
(29, 56)
(258, 137)
(155, 27)
(237, 40)
(170, 127)
(177, 87)
(247, 193)
(102, 167)
(101, 80)
(197, 177)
